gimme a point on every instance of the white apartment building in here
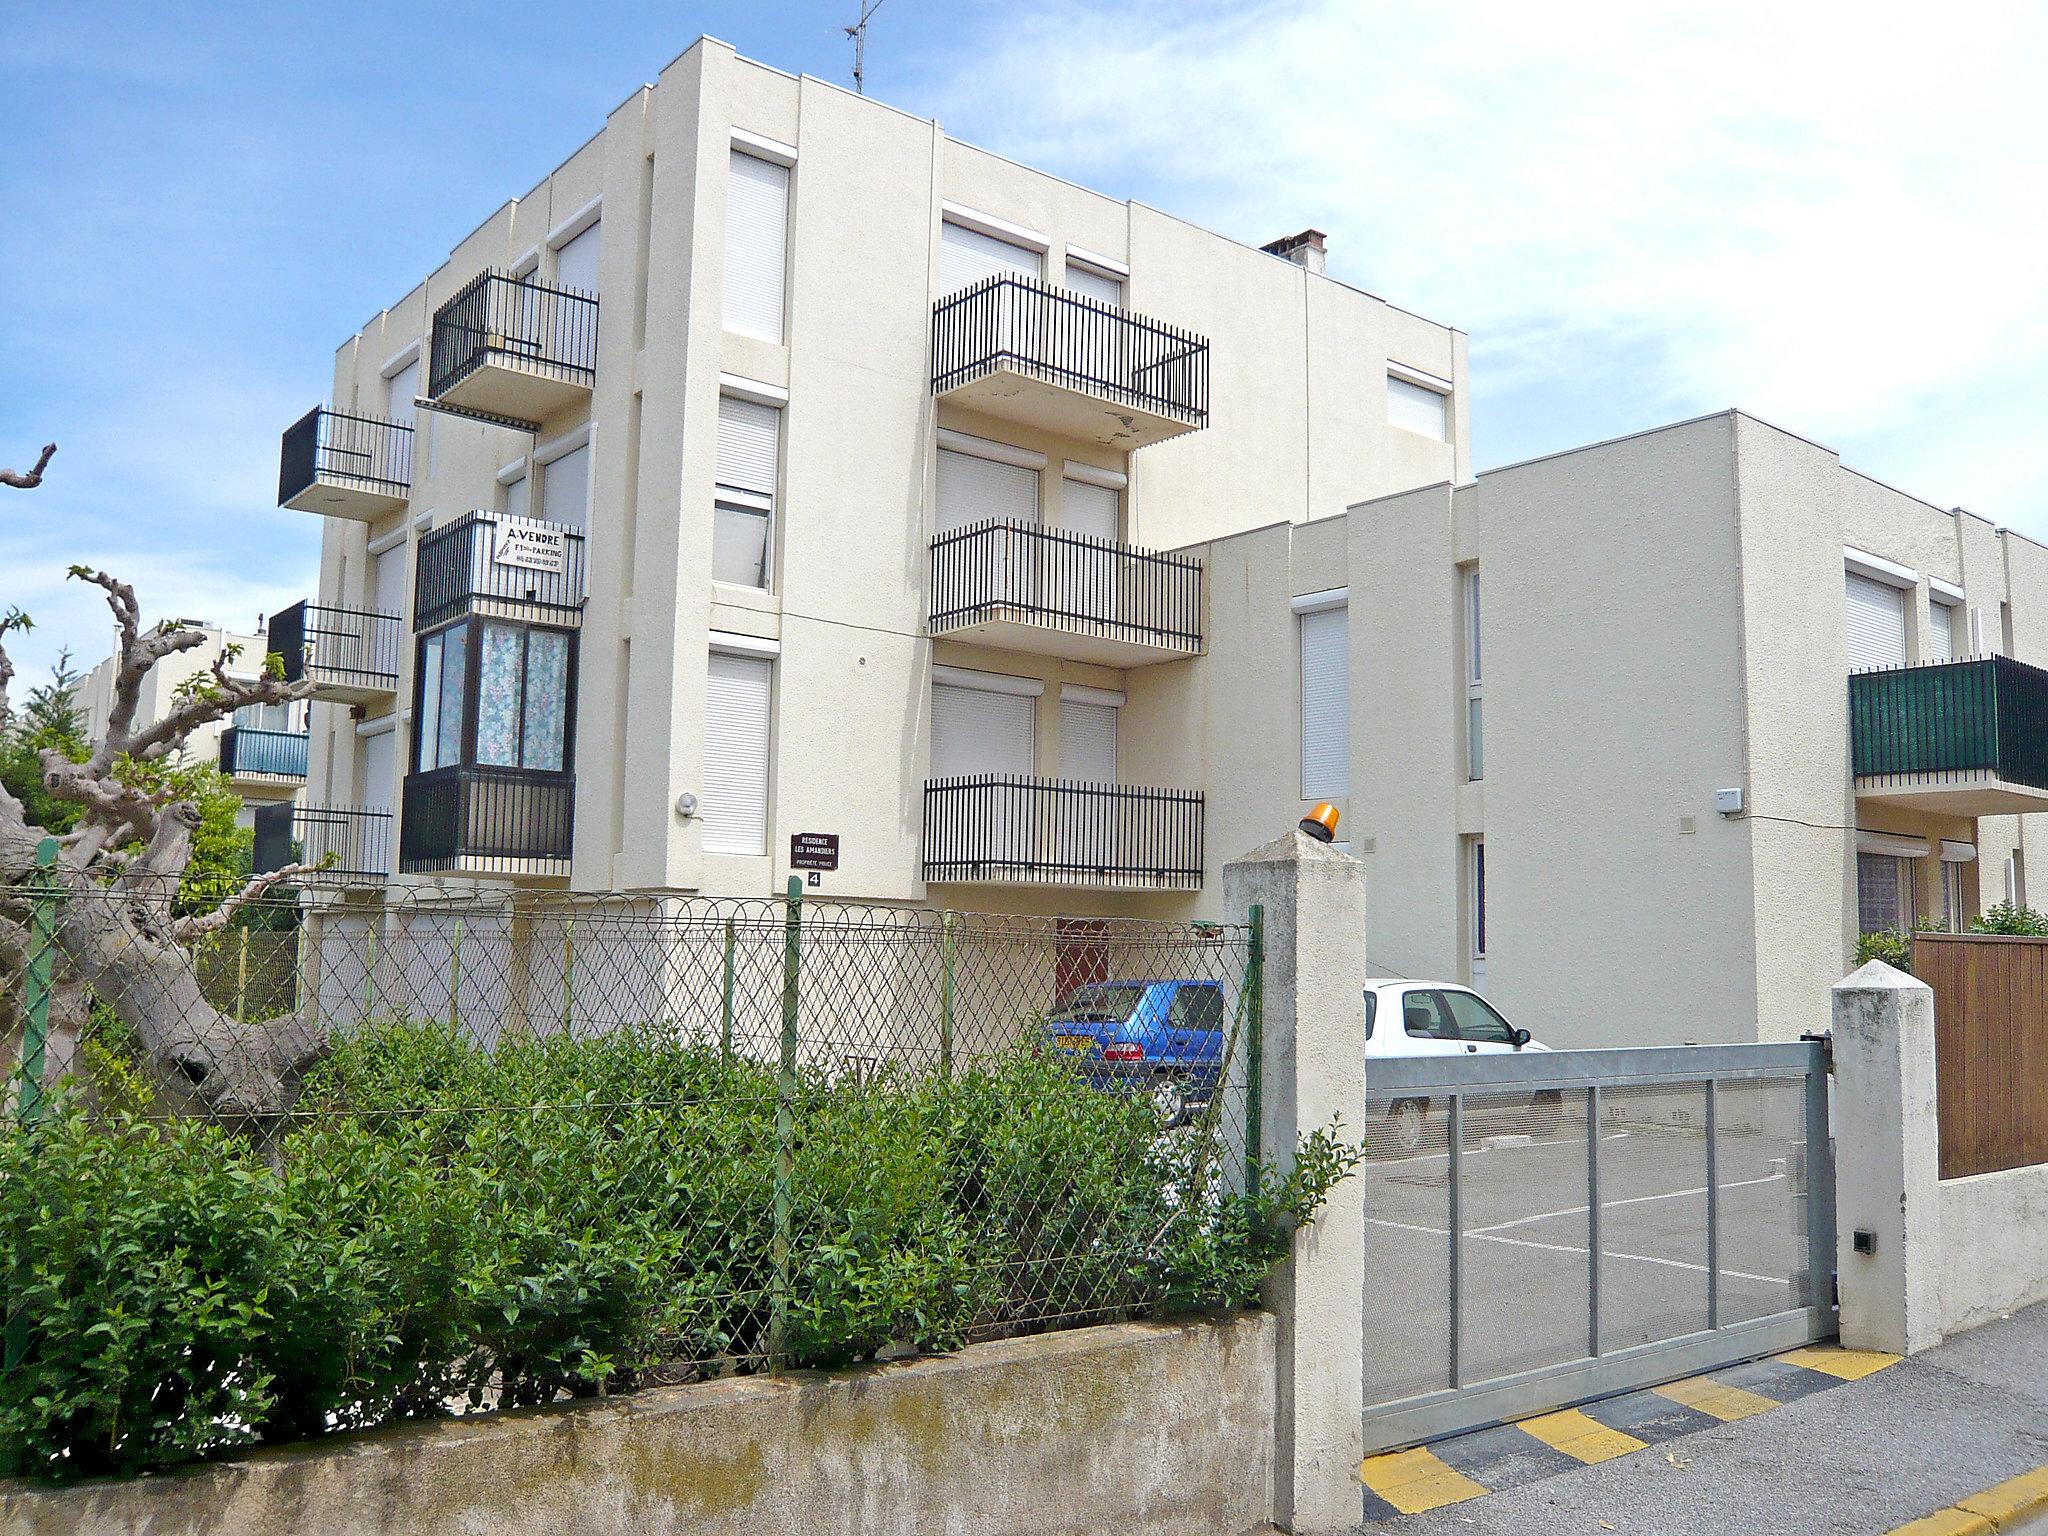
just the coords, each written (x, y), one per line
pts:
(781, 468)
(261, 748)
(1640, 737)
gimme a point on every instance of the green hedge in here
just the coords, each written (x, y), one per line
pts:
(449, 1226)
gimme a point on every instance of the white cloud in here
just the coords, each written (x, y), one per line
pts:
(1828, 215)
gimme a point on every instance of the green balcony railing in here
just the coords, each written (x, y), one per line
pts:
(1988, 716)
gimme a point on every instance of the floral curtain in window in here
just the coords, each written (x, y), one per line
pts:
(499, 694)
(454, 666)
(547, 698)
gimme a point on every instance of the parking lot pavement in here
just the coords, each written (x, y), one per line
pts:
(1769, 1449)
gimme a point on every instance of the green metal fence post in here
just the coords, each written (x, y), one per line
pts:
(1255, 1045)
(455, 981)
(725, 1006)
(785, 1119)
(946, 993)
(35, 1000)
(568, 975)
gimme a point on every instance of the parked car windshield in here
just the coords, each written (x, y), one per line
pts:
(1103, 1002)
(1477, 1021)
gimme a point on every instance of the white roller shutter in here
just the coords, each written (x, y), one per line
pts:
(972, 489)
(1096, 285)
(747, 433)
(735, 804)
(966, 256)
(1089, 509)
(380, 770)
(387, 579)
(1941, 632)
(756, 243)
(976, 730)
(1087, 742)
(1877, 624)
(565, 488)
(1325, 704)
(1417, 408)
(399, 392)
(576, 261)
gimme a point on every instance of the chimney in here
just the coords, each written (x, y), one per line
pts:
(1304, 249)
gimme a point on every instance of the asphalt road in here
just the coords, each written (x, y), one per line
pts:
(1856, 1460)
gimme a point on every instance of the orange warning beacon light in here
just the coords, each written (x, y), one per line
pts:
(1321, 823)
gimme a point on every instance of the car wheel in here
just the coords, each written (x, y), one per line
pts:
(1169, 1103)
(1405, 1123)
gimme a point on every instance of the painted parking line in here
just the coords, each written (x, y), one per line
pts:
(1471, 1465)
(2001, 1508)
(1481, 1236)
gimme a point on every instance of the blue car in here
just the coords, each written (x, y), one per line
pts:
(1161, 1038)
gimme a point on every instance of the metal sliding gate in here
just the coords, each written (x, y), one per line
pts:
(1544, 1228)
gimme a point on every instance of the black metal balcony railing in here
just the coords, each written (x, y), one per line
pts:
(1013, 321)
(517, 322)
(506, 819)
(1067, 581)
(247, 752)
(1014, 828)
(466, 563)
(1988, 715)
(325, 444)
(348, 844)
(351, 648)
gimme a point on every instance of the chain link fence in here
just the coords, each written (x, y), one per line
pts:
(358, 1160)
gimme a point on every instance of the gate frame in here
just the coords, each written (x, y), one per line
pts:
(1432, 1415)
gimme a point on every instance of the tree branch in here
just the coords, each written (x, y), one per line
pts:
(186, 929)
(34, 478)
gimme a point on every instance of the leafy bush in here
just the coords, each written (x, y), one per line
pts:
(1887, 944)
(449, 1227)
(2011, 917)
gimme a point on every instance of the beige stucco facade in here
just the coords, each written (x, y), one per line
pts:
(1297, 428)
(1663, 618)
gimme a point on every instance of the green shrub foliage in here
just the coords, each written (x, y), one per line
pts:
(447, 1227)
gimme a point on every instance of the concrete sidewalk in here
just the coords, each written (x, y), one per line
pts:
(1856, 1460)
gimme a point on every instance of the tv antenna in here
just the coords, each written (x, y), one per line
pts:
(859, 33)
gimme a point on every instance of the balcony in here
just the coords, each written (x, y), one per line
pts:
(1025, 351)
(1028, 588)
(487, 821)
(1963, 738)
(343, 465)
(258, 760)
(514, 347)
(352, 846)
(349, 655)
(508, 567)
(1009, 829)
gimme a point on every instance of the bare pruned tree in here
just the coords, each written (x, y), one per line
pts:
(29, 480)
(117, 941)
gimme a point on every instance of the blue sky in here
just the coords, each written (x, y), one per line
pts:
(1639, 212)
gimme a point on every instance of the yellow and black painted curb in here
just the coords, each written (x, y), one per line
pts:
(1485, 1461)
(2005, 1507)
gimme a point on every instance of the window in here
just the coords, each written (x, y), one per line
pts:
(565, 488)
(576, 260)
(522, 697)
(265, 717)
(735, 810)
(1475, 735)
(1196, 1008)
(387, 579)
(1952, 915)
(1094, 284)
(1418, 408)
(756, 243)
(1944, 631)
(983, 729)
(1423, 1016)
(444, 666)
(1372, 1007)
(1325, 703)
(518, 497)
(973, 488)
(1884, 893)
(1478, 904)
(743, 515)
(1087, 741)
(400, 389)
(380, 770)
(495, 694)
(1877, 624)
(1476, 1021)
(966, 256)
(1091, 509)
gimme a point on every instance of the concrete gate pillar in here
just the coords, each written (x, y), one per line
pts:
(1887, 1169)
(1313, 1070)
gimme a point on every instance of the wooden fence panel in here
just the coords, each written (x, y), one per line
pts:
(1990, 1048)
